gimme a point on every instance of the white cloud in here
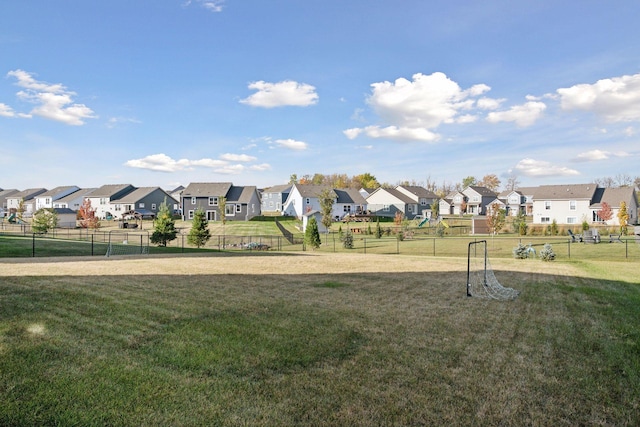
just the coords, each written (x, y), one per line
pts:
(53, 101)
(595, 155)
(425, 102)
(7, 111)
(412, 110)
(261, 167)
(292, 144)
(231, 169)
(539, 168)
(616, 99)
(395, 133)
(163, 163)
(522, 115)
(489, 103)
(285, 93)
(115, 121)
(237, 157)
(211, 5)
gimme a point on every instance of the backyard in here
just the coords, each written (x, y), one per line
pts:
(316, 338)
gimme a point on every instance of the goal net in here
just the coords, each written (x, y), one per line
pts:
(481, 282)
(123, 243)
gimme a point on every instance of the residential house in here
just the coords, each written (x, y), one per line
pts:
(518, 201)
(143, 202)
(566, 204)
(49, 198)
(386, 202)
(3, 201)
(241, 203)
(24, 200)
(348, 201)
(304, 198)
(176, 194)
(74, 200)
(273, 198)
(614, 198)
(101, 200)
(478, 199)
(424, 199)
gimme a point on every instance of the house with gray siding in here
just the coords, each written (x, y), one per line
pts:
(273, 198)
(143, 201)
(241, 203)
(101, 200)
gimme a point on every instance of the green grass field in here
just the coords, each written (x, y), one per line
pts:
(316, 339)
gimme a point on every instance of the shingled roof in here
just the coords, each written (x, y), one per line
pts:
(565, 192)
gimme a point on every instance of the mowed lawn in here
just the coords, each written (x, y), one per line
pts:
(316, 339)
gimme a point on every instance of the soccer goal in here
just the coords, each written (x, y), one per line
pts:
(481, 282)
(127, 243)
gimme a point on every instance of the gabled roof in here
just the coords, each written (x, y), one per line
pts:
(613, 196)
(310, 190)
(483, 191)
(58, 190)
(27, 194)
(397, 194)
(241, 194)
(83, 192)
(138, 194)
(565, 192)
(109, 190)
(7, 193)
(349, 196)
(418, 191)
(284, 188)
(207, 189)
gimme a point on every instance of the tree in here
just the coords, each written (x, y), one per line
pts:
(435, 209)
(311, 234)
(623, 218)
(44, 219)
(512, 183)
(222, 206)
(326, 198)
(87, 215)
(164, 226)
(468, 181)
(520, 224)
(605, 213)
(496, 218)
(490, 181)
(293, 179)
(199, 234)
(366, 180)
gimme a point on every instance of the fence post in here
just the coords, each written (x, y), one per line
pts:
(92, 245)
(569, 248)
(33, 246)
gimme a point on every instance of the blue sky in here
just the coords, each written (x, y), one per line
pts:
(167, 92)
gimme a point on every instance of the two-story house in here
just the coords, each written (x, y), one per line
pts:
(304, 198)
(386, 202)
(273, 198)
(101, 200)
(49, 198)
(566, 204)
(142, 202)
(23, 203)
(3, 201)
(241, 202)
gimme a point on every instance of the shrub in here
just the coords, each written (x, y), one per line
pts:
(520, 252)
(547, 254)
(347, 241)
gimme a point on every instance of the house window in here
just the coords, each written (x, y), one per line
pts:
(270, 204)
(385, 208)
(308, 201)
(346, 208)
(103, 201)
(572, 220)
(409, 208)
(423, 202)
(213, 201)
(193, 200)
(545, 220)
(238, 208)
(475, 198)
(117, 207)
(230, 210)
(547, 206)
(141, 205)
(457, 199)
(153, 206)
(572, 205)
(190, 215)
